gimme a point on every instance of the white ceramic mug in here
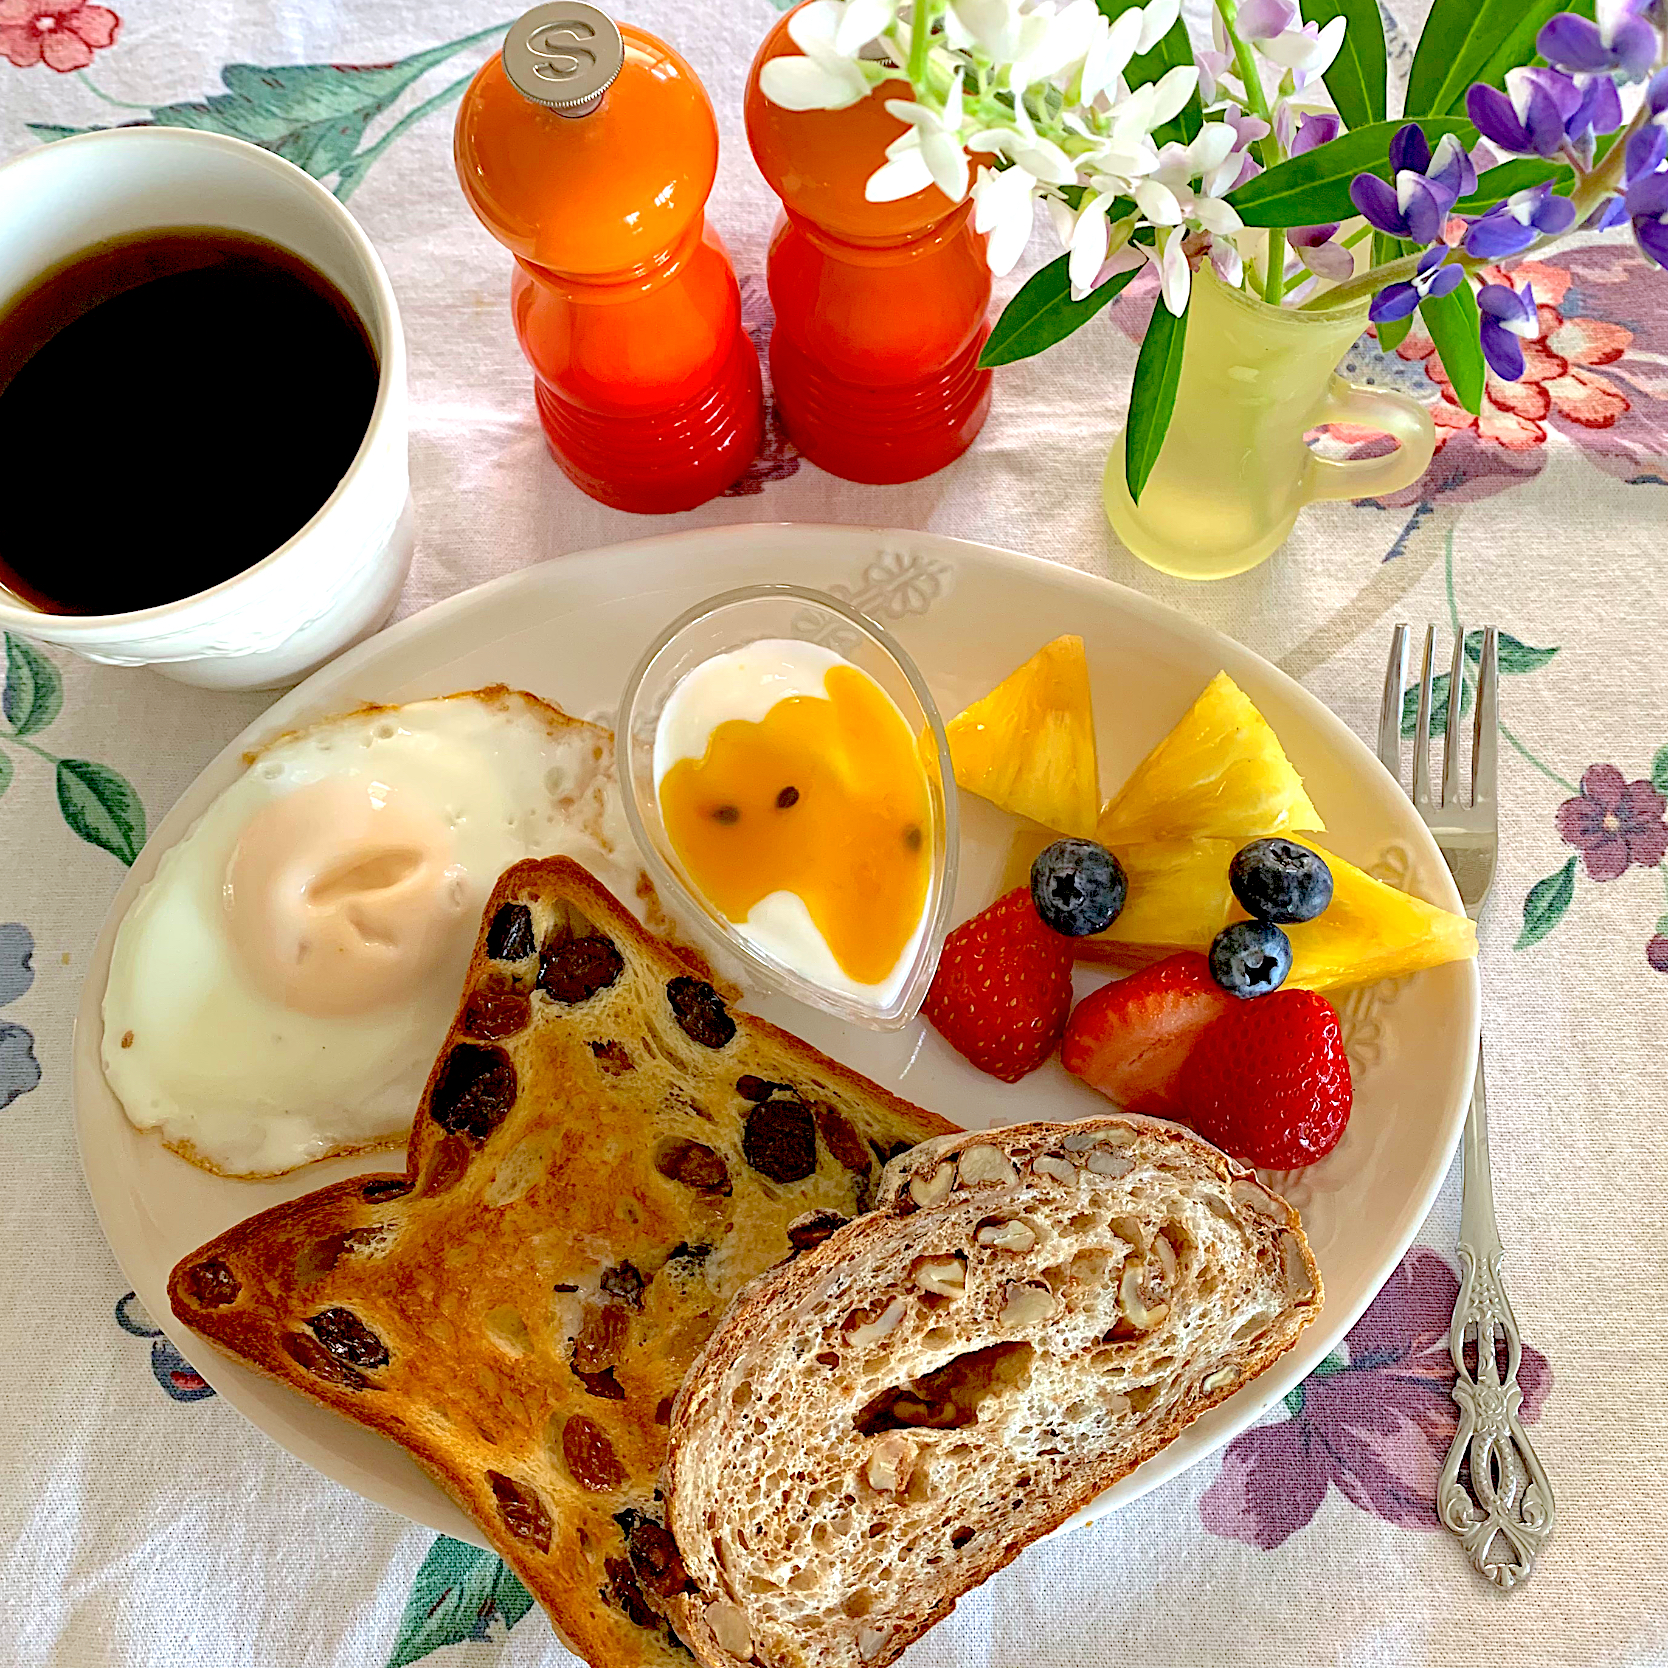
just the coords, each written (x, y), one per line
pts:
(337, 580)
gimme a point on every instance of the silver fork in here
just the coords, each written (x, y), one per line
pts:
(1502, 1508)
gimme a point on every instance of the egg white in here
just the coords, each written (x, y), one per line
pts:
(243, 1085)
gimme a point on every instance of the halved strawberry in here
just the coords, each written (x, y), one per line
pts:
(1131, 1038)
(1003, 988)
(1269, 1082)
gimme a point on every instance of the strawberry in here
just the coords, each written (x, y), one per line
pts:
(1003, 988)
(1269, 1081)
(1130, 1039)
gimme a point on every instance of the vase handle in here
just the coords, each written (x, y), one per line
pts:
(1407, 423)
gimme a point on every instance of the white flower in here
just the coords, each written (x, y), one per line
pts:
(864, 21)
(1308, 50)
(825, 77)
(1155, 102)
(1039, 157)
(1167, 196)
(1002, 207)
(1175, 276)
(991, 24)
(928, 153)
(1090, 240)
(1107, 58)
(1051, 41)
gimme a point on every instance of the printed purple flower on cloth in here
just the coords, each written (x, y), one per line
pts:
(1617, 38)
(1510, 227)
(1614, 823)
(1376, 1426)
(1534, 115)
(1510, 318)
(1647, 208)
(1656, 953)
(19, 1070)
(177, 1377)
(1433, 277)
(1425, 186)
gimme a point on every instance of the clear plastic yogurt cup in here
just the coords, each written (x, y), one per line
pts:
(722, 625)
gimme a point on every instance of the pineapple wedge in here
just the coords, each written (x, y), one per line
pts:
(1221, 773)
(1029, 745)
(1179, 899)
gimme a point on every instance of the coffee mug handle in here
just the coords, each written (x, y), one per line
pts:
(1406, 421)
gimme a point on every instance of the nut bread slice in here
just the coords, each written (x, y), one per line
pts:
(604, 1154)
(1027, 1315)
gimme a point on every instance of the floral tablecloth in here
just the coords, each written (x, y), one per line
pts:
(144, 1523)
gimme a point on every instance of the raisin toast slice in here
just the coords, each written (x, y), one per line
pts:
(603, 1156)
(1027, 1315)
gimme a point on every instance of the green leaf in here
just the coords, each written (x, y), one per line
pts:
(1544, 907)
(1455, 326)
(1659, 770)
(1311, 189)
(34, 691)
(1514, 654)
(5, 773)
(100, 805)
(458, 1593)
(1439, 704)
(1043, 313)
(1357, 77)
(1393, 332)
(1473, 40)
(313, 115)
(1495, 184)
(1157, 371)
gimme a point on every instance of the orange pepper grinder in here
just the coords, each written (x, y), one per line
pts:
(880, 307)
(588, 149)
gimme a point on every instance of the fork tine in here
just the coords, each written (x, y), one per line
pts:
(1390, 709)
(1451, 735)
(1485, 737)
(1422, 734)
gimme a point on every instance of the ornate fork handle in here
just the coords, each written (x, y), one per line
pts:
(1509, 1499)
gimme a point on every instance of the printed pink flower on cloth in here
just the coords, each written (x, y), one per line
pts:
(1613, 823)
(62, 34)
(1375, 1427)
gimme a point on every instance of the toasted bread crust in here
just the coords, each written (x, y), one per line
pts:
(510, 1309)
(760, 1502)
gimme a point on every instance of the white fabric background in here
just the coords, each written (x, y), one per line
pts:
(138, 1532)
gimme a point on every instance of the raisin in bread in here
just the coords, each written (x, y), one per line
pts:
(1027, 1315)
(604, 1154)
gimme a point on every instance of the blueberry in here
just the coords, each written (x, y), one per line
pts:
(1279, 880)
(1250, 958)
(1078, 887)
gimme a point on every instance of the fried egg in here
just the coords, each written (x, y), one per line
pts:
(280, 985)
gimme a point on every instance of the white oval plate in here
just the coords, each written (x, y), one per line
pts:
(569, 630)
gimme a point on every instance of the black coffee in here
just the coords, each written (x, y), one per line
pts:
(173, 406)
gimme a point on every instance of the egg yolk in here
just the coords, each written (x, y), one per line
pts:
(823, 798)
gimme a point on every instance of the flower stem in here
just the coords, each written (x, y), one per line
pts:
(1546, 770)
(1268, 147)
(98, 92)
(920, 38)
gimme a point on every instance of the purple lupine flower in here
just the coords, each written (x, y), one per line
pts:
(1656, 93)
(1620, 39)
(1646, 150)
(1509, 318)
(1426, 186)
(1530, 116)
(1647, 208)
(1600, 109)
(1611, 212)
(1433, 277)
(1510, 227)
(1318, 127)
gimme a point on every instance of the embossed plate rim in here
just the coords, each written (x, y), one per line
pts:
(143, 1195)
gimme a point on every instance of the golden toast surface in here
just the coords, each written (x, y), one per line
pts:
(603, 1156)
